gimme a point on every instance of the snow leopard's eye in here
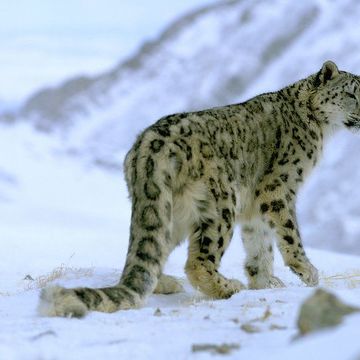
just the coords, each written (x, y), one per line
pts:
(351, 95)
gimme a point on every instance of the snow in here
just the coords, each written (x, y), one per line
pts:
(184, 319)
(48, 198)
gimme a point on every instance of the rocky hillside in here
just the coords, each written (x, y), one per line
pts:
(207, 58)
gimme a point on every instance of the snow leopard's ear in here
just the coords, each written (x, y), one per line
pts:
(328, 72)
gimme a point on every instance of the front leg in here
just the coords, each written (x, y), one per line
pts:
(278, 209)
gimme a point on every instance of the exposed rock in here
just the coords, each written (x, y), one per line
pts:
(222, 349)
(277, 327)
(250, 328)
(322, 310)
(158, 312)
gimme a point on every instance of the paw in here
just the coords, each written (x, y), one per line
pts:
(229, 288)
(57, 301)
(306, 272)
(275, 282)
(236, 285)
(168, 285)
(212, 283)
(269, 282)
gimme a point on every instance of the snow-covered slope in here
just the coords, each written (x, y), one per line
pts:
(257, 324)
(205, 59)
(51, 206)
(219, 54)
(216, 55)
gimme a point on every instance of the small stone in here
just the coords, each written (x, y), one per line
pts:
(43, 334)
(280, 302)
(266, 314)
(322, 310)
(277, 327)
(263, 317)
(28, 277)
(158, 312)
(221, 349)
(249, 328)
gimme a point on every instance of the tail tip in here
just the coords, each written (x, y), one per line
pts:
(58, 301)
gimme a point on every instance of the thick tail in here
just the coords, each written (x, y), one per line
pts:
(58, 301)
(150, 244)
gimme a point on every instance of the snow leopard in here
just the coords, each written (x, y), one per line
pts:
(196, 175)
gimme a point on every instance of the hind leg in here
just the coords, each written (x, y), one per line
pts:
(169, 284)
(257, 240)
(208, 241)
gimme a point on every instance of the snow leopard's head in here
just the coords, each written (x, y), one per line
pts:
(336, 97)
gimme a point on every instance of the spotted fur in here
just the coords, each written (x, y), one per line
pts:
(195, 175)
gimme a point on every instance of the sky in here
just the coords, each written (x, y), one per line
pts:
(45, 42)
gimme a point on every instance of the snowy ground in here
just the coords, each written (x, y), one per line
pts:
(184, 320)
(80, 238)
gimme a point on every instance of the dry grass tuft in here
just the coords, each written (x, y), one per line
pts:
(350, 279)
(60, 272)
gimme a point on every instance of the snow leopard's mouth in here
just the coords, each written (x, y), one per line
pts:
(353, 121)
